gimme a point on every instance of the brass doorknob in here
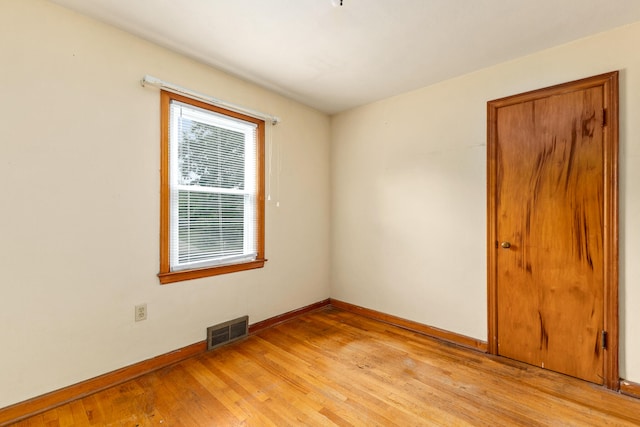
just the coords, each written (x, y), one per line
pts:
(505, 245)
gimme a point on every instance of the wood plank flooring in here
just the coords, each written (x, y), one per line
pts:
(333, 367)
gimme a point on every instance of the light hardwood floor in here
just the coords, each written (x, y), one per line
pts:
(332, 367)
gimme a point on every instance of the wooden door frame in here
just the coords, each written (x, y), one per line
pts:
(609, 82)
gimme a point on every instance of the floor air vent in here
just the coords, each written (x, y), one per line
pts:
(227, 332)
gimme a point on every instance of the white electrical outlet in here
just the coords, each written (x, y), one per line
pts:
(141, 312)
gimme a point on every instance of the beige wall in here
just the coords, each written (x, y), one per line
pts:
(79, 220)
(409, 196)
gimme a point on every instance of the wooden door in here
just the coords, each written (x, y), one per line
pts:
(553, 228)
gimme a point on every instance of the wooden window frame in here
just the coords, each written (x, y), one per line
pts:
(166, 275)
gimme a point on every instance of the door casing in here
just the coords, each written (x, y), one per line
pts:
(609, 83)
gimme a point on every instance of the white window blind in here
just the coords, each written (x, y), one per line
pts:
(212, 180)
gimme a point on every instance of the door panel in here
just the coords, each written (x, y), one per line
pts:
(550, 203)
(550, 289)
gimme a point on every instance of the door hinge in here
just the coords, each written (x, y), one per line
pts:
(604, 117)
(603, 340)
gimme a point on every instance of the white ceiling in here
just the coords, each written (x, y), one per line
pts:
(337, 57)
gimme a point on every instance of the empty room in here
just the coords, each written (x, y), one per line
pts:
(320, 212)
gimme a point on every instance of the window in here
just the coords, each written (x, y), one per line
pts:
(212, 190)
